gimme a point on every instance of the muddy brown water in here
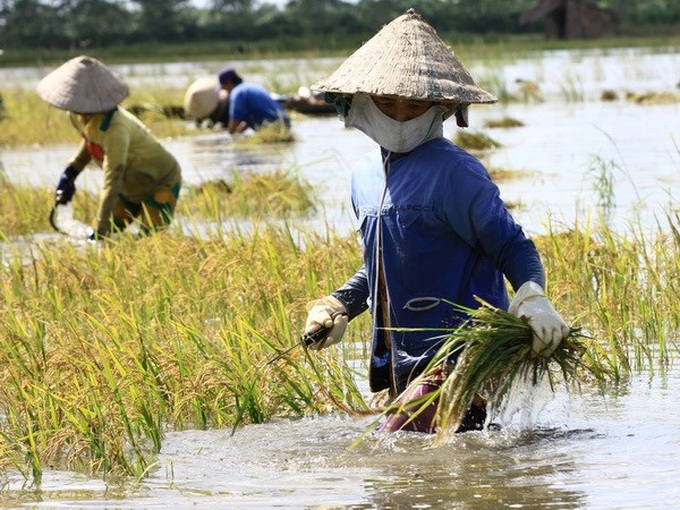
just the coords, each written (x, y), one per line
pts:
(617, 451)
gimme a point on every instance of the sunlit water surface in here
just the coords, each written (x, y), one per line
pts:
(589, 451)
(614, 452)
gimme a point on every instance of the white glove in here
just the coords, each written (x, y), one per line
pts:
(327, 313)
(549, 328)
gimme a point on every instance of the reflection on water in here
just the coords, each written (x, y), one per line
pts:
(585, 452)
(216, 157)
(618, 451)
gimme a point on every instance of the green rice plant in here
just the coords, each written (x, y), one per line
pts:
(505, 122)
(282, 83)
(572, 89)
(108, 346)
(475, 141)
(602, 173)
(529, 90)
(29, 120)
(608, 95)
(25, 208)
(273, 132)
(621, 284)
(497, 84)
(662, 97)
(278, 194)
(495, 352)
(499, 173)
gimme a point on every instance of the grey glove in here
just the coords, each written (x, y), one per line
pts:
(549, 327)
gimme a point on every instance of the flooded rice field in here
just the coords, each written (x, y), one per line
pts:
(618, 451)
(569, 139)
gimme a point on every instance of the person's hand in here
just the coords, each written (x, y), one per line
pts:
(549, 328)
(330, 314)
(66, 186)
(95, 236)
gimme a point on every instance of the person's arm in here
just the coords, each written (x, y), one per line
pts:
(487, 225)
(236, 126)
(116, 147)
(81, 157)
(238, 110)
(475, 211)
(66, 187)
(354, 293)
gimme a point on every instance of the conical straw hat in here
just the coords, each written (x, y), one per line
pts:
(201, 98)
(83, 85)
(406, 58)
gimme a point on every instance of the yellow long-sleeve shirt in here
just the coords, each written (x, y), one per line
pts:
(134, 162)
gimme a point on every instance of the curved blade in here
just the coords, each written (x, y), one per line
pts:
(62, 220)
(53, 213)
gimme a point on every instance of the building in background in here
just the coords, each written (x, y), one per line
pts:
(572, 19)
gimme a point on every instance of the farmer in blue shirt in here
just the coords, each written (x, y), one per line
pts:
(433, 227)
(250, 105)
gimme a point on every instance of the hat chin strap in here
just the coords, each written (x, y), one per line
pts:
(462, 116)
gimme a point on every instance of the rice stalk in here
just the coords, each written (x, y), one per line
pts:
(495, 351)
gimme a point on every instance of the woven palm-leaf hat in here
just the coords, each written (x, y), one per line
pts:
(83, 85)
(201, 98)
(406, 59)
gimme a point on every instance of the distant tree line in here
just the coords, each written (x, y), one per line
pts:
(72, 24)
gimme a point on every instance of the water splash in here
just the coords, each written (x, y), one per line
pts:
(64, 221)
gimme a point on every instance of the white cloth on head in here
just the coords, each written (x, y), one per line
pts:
(393, 135)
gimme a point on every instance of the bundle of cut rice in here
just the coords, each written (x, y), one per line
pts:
(495, 350)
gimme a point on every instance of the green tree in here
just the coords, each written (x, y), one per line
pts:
(30, 23)
(161, 20)
(322, 17)
(232, 19)
(95, 23)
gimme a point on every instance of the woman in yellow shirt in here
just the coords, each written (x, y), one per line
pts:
(141, 178)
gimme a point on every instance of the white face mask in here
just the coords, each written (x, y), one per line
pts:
(391, 134)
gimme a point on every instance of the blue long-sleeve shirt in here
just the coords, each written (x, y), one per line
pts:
(445, 235)
(252, 103)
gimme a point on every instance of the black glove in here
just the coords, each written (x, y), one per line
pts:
(67, 186)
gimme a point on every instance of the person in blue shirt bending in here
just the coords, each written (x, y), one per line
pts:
(433, 227)
(250, 105)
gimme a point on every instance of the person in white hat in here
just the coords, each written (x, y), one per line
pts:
(206, 102)
(433, 227)
(141, 178)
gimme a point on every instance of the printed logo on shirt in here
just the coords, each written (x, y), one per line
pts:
(390, 209)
